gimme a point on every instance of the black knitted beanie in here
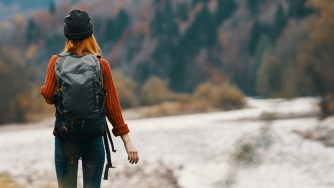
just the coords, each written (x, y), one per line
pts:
(78, 25)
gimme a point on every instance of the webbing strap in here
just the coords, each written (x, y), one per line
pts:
(109, 164)
(106, 145)
(111, 142)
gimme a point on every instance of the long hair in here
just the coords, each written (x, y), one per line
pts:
(82, 47)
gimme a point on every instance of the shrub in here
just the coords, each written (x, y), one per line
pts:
(327, 105)
(225, 96)
(16, 80)
(206, 98)
(126, 89)
(155, 91)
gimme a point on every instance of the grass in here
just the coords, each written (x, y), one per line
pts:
(7, 181)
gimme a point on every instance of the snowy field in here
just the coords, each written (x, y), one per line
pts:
(195, 150)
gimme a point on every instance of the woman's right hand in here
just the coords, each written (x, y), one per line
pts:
(133, 156)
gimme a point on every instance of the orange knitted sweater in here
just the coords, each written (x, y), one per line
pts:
(113, 108)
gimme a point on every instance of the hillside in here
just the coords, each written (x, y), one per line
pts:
(201, 40)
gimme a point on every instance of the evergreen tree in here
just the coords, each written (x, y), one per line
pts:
(207, 28)
(195, 2)
(157, 1)
(122, 21)
(164, 25)
(269, 77)
(166, 55)
(156, 24)
(143, 71)
(225, 8)
(182, 11)
(32, 31)
(109, 30)
(280, 21)
(201, 33)
(116, 26)
(177, 72)
(263, 46)
(52, 7)
(98, 32)
(254, 5)
(73, 2)
(53, 43)
(297, 9)
(255, 34)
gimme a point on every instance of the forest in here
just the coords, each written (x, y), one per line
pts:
(193, 51)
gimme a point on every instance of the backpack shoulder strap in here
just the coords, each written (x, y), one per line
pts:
(95, 57)
(59, 63)
(98, 58)
(65, 54)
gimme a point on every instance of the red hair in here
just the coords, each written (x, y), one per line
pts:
(82, 47)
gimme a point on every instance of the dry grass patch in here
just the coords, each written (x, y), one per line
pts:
(147, 175)
(206, 98)
(7, 181)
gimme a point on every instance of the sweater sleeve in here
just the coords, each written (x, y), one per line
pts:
(49, 89)
(112, 104)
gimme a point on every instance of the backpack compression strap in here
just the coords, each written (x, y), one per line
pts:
(106, 145)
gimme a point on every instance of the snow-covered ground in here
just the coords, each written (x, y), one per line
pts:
(196, 147)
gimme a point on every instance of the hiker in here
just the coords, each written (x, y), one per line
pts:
(79, 82)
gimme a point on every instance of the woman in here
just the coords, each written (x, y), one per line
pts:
(78, 30)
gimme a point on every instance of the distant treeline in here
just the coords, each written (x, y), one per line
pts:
(266, 48)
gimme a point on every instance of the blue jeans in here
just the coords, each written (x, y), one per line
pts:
(68, 153)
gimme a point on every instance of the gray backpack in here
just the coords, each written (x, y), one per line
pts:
(80, 111)
(79, 83)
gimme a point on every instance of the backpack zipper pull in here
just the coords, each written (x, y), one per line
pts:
(64, 127)
(62, 87)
